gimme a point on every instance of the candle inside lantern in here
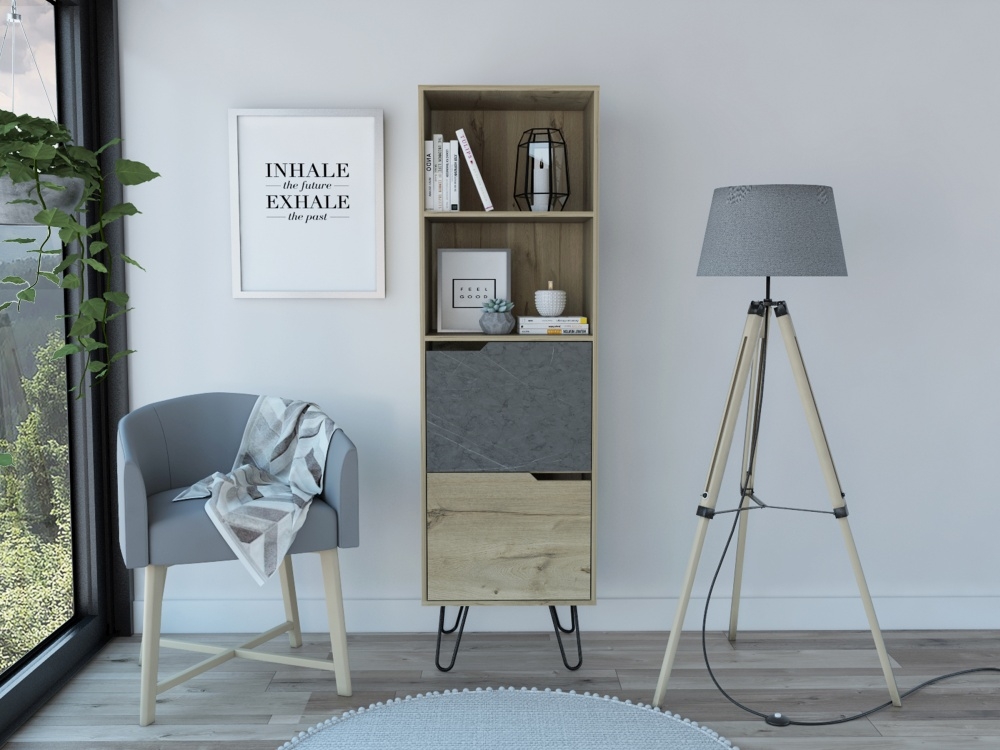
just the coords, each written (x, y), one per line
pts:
(540, 155)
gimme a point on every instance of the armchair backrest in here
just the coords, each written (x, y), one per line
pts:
(180, 441)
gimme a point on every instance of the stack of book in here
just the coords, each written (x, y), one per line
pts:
(560, 326)
(441, 174)
(441, 170)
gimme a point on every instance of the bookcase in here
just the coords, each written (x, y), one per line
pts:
(509, 438)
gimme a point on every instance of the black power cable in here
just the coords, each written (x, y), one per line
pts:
(778, 719)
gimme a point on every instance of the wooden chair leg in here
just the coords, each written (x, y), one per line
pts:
(291, 601)
(152, 608)
(330, 562)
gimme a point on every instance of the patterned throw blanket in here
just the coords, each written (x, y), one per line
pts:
(260, 505)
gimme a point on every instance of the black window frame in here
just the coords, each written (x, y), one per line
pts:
(89, 105)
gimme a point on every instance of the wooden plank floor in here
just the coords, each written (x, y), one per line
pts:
(810, 676)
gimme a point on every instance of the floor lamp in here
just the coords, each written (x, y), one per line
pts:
(768, 230)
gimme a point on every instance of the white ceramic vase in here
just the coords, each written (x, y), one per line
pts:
(550, 302)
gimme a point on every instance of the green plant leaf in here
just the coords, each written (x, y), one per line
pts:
(97, 367)
(54, 217)
(118, 298)
(121, 355)
(6, 459)
(95, 264)
(116, 212)
(31, 201)
(91, 344)
(19, 172)
(13, 280)
(38, 151)
(131, 261)
(70, 234)
(95, 308)
(67, 262)
(27, 295)
(65, 350)
(53, 277)
(22, 240)
(109, 144)
(70, 281)
(83, 326)
(5, 305)
(134, 172)
(97, 246)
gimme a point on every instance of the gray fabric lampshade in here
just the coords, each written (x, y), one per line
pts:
(772, 230)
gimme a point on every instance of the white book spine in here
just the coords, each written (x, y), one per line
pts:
(528, 320)
(438, 172)
(429, 175)
(446, 175)
(477, 178)
(455, 159)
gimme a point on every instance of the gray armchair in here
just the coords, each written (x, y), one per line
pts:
(165, 447)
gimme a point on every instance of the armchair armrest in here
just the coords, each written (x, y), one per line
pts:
(340, 487)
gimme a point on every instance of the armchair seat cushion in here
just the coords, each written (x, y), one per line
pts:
(181, 532)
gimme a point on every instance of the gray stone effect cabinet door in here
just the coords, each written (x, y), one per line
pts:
(510, 406)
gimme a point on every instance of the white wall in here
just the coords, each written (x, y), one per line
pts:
(892, 102)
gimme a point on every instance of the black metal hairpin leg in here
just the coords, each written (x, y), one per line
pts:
(574, 627)
(459, 626)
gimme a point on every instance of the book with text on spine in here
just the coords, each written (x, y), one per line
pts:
(477, 178)
(438, 172)
(429, 175)
(528, 320)
(455, 160)
(554, 330)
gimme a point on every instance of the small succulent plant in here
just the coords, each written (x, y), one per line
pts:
(498, 306)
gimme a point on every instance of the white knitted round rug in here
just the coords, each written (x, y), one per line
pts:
(519, 719)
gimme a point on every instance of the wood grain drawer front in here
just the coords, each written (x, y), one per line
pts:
(508, 538)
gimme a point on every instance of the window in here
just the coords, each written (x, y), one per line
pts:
(79, 501)
(36, 545)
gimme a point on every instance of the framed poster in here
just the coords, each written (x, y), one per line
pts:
(466, 279)
(307, 192)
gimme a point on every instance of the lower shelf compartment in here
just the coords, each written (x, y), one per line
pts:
(508, 538)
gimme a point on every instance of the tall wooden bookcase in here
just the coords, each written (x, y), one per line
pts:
(509, 433)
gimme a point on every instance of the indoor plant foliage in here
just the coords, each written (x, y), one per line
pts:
(33, 151)
(497, 317)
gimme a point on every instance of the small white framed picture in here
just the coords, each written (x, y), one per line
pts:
(467, 277)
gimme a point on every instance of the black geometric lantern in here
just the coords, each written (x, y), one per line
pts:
(542, 175)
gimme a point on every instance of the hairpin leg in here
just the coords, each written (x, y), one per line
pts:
(459, 626)
(574, 627)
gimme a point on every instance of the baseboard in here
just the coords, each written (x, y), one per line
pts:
(626, 614)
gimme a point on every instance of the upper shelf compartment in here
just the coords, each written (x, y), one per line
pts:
(495, 118)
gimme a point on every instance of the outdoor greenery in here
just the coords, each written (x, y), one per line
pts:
(36, 585)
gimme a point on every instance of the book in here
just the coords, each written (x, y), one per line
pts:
(477, 178)
(527, 320)
(554, 331)
(429, 175)
(455, 160)
(438, 172)
(446, 175)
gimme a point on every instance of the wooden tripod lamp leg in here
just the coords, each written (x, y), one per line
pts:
(748, 470)
(745, 357)
(833, 486)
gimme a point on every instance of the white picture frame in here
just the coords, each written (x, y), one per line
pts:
(308, 202)
(467, 277)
